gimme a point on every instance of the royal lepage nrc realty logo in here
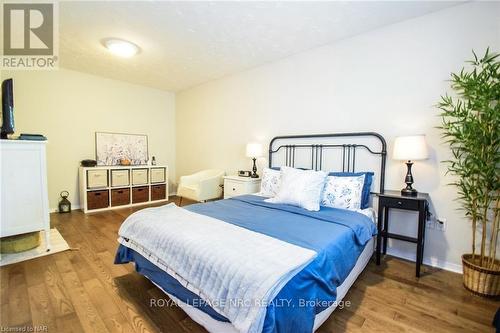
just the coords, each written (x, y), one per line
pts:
(30, 36)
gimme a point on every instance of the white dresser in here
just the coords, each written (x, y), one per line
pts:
(236, 185)
(23, 188)
(109, 187)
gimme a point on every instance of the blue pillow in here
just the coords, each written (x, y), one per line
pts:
(365, 194)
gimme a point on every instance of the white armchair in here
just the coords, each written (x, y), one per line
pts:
(201, 186)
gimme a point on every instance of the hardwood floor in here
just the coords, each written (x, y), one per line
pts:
(83, 291)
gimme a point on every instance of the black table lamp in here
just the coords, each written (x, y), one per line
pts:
(254, 150)
(410, 148)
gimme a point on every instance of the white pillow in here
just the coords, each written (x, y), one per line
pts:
(300, 188)
(271, 181)
(343, 192)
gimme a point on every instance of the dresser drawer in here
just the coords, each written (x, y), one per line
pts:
(120, 196)
(97, 199)
(139, 176)
(120, 178)
(97, 178)
(140, 194)
(158, 175)
(158, 192)
(400, 203)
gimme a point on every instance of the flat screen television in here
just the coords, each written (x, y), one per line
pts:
(7, 108)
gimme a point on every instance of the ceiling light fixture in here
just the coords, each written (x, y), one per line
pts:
(121, 48)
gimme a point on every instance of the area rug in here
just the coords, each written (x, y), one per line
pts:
(58, 245)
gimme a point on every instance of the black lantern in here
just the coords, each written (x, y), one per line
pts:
(64, 204)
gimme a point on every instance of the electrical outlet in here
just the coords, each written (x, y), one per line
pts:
(441, 223)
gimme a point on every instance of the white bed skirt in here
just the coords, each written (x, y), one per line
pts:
(215, 326)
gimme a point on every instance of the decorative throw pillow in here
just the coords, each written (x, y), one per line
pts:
(343, 192)
(300, 188)
(270, 184)
(367, 185)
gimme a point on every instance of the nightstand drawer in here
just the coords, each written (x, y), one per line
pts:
(399, 203)
(234, 185)
(235, 188)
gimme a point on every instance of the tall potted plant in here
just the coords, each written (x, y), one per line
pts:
(471, 125)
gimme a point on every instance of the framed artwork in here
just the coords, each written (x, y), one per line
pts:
(111, 148)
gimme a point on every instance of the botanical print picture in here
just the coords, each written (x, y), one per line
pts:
(111, 148)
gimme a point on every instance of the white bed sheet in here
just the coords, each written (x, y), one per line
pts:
(215, 326)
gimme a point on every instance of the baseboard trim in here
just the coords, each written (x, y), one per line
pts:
(433, 262)
(56, 210)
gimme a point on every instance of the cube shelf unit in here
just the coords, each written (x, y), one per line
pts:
(111, 187)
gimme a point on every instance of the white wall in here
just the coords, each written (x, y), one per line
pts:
(68, 107)
(385, 81)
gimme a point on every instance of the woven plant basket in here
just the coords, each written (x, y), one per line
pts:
(479, 280)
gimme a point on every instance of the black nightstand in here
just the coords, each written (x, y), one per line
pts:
(394, 199)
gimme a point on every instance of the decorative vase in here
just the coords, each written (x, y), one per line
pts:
(479, 280)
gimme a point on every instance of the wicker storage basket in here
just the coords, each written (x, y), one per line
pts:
(479, 280)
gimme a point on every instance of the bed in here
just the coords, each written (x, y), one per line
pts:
(246, 265)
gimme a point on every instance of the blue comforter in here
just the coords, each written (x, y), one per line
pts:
(338, 236)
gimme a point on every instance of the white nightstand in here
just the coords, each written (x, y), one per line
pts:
(235, 185)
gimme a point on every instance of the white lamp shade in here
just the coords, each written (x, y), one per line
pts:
(254, 150)
(411, 147)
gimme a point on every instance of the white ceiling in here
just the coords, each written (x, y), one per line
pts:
(188, 43)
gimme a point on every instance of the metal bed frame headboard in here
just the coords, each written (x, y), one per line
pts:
(348, 151)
